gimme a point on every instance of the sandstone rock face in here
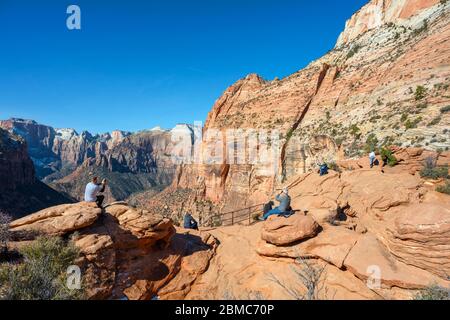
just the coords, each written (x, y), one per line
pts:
(282, 231)
(16, 167)
(379, 12)
(125, 252)
(50, 147)
(364, 88)
(20, 191)
(420, 237)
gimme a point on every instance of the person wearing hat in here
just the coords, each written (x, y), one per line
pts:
(285, 202)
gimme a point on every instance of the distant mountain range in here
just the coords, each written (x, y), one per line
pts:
(66, 160)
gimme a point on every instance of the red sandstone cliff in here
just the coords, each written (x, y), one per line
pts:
(386, 81)
(20, 191)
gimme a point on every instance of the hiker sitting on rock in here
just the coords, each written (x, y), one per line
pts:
(323, 169)
(93, 188)
(189, 222)
(285, 202)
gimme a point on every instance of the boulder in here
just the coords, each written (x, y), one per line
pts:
(132, 227)
(332, 245)
(283, 231)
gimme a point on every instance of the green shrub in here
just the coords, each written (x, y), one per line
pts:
(435, 121)
(334, 166)
(420, 93)
(42, 274)
(371, 143)
(388, 157)
(412, 124)
(354, 50)
(404, 117)
(445, 109)
(5, 220)
(432, 171)
(445, 188)
(290, 134)
(433, 292)
(354, 130)
(339, 141)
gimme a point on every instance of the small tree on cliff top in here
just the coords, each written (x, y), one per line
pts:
(5, 220)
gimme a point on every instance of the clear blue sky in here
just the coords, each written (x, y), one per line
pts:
(138, 64)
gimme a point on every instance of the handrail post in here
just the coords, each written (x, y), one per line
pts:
(232, 218)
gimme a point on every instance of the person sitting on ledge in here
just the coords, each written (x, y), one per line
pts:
(93, 188)
(189, 222)
(285, 202)
(323, 169)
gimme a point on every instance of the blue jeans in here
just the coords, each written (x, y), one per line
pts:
(372, 161)
(271, 213)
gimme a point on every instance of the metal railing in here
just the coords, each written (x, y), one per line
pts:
(237, 216)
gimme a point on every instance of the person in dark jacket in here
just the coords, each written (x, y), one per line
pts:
(189, 222)
(323, 170)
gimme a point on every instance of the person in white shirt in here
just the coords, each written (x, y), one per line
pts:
(92, 191)
(372, 158)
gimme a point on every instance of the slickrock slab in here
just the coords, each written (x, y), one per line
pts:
(283, 231)
(59, 220)
(369, 253)
(369, 192)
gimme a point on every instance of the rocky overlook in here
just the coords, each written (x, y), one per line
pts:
(377, 232)
(125, 252)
